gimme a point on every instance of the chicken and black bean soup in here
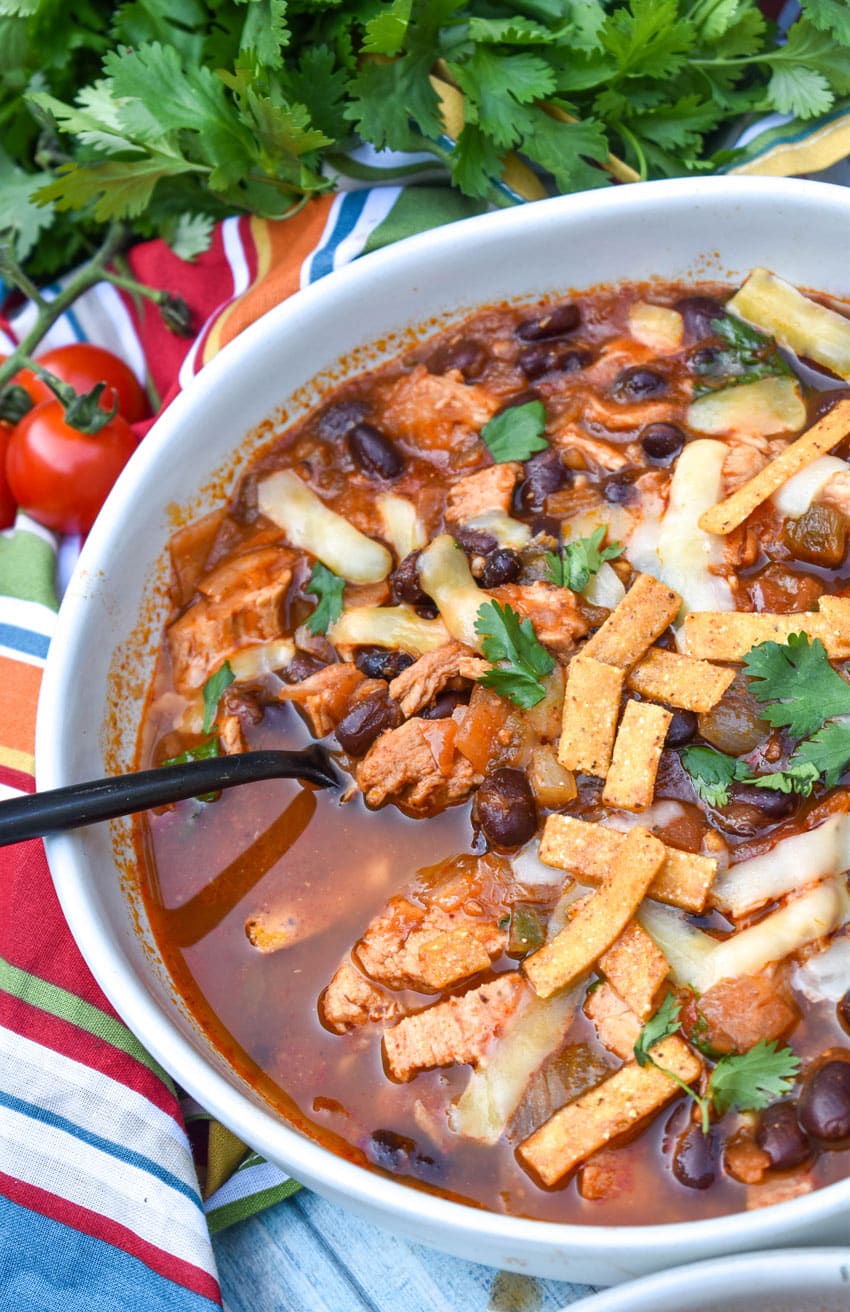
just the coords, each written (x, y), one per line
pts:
(565, 591)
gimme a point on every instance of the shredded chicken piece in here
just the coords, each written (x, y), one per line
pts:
(457, 1030)
(402, 765)
(487, 489)
(410, 946)
(836, 493)
(416, 686)
(602, 454)
(351, 1000)
(554, 612)
(240, 606)
(436, 412)
(323, 697)
(623, 417)
(230, 736)
(778, 1189)
(617, 1027)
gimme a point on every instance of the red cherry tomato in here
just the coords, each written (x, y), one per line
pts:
(83, 366)
(61, 476)
(8, 505)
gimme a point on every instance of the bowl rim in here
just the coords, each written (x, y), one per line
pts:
(267, 1132)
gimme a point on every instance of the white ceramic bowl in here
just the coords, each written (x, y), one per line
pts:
(712, 228)
(784, 1280)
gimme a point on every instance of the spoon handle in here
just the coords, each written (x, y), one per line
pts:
(105, 799)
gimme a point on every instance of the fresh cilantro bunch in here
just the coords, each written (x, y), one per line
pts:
(747, 1081)
(800, 692)
(166, 116)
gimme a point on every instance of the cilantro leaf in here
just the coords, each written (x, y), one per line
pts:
(712, 773)
(328, 587)
(799, 777)
(200, 752)
(578, 561)
(213, 688)
(516, 433)
(751, 1080)
(660, 1026)
(827, 751)
(831, 16)
(796, 684)
(747, 356)
(524, 662)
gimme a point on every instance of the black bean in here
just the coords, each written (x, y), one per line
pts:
(360, 726)
(379, 663)
(334, 422)
(519, 398)
(545, 472)
(825, 1102)
(504, 808)
(825, 402)
(552, 357)
(698, 314)
(501, 566)
(396, 1152)
(639, 384)
(474, 541)
(301, 667)
(772, 804)
(374, 452)
(466, 355)
(843, 1010)
(681, 728)
(661, 442)
(780, 1136)
(554, 322)
(405, 584)
(694, 1160)
(445, 703)
(619, 489)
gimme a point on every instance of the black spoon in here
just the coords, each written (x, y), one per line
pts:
(123, 794)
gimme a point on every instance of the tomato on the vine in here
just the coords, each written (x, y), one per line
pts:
(61, 476)
(82, 366)
(8, 505)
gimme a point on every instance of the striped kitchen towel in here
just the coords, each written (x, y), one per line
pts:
(110, 1183)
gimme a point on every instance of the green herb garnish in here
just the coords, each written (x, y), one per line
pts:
(747, 1081)
(713, 773)
(328, 587)
(517, 433)
(213, 688)
(746, 356)
(577, 562)
(202, 751)
(519, 660)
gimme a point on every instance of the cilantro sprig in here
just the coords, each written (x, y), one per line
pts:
(519, 660)
(800, 692)
(577, 562)
(746, 356)
(516, 433)
(328, 587)
(747, 1081)
(213, 688)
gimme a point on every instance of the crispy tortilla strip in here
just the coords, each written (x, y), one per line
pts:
(588, 850)
(668, 676)
(609, 1110)
(636, 968)
(637, 750)
(641, 617)
(729, 635)
(601, 920)
(815, 442)
(834, 632)
(591, 712)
